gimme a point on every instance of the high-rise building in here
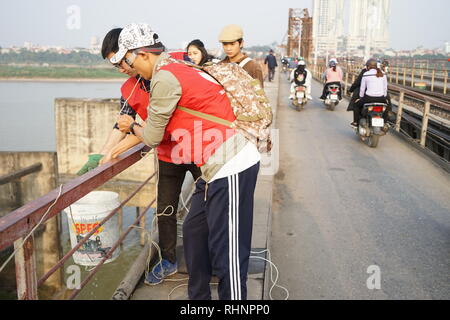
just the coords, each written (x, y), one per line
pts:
(369, 25)
(447, 47)
(328, 25)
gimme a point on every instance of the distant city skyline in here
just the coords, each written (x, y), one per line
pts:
(413, 23)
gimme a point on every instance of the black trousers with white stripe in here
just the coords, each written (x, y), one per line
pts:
(217, 235)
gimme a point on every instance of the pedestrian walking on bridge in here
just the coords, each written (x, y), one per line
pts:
(271, 62)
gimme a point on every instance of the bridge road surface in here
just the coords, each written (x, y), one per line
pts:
(340, 207)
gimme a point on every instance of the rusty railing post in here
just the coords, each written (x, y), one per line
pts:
(426, 113)
(26, 277)
(445, 82)
(346, 84)
(404, 77)
(399, 111)
(433, 75)
(120, 223)
(142, 225)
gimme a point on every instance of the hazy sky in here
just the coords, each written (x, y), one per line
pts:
(45, 22)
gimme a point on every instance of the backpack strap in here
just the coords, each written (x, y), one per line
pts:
(244, 62)
(206, 116)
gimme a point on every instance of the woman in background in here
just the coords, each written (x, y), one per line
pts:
(197, 53)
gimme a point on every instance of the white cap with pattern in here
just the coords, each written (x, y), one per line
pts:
(133, 36)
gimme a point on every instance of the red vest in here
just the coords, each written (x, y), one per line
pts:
(196, 139)
(139, 102)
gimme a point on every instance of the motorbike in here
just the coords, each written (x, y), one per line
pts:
(300, 98)
(372, 125)
(332, 99)
(285, 68)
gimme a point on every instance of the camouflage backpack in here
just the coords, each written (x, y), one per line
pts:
(247, 97)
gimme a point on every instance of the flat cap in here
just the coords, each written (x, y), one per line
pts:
(231, 33)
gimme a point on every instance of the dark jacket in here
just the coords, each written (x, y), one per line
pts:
(271, 61)
(299, 72)
(355, 89)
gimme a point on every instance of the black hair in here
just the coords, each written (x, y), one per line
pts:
(200, 46)
(111, 42)
(373, 64)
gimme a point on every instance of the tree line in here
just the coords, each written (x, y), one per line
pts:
(24, 56)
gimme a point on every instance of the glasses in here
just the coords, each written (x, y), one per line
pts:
(117, 65)
(131, 59)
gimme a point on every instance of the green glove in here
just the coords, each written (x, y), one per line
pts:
(92, 163)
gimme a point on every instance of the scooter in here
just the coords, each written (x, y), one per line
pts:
(300, 99)
(372, 125)
(332, 99)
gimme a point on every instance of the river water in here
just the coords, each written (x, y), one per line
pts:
(27, 123)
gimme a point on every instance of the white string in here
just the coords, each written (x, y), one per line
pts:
(153, 243)
(154, 226)
(32, 231)
(272, 266)
(132, 91)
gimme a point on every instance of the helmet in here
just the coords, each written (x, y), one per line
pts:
(332, 64)
(231, 33)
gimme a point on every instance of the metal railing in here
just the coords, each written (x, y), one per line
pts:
(7, 178)
(16, 227)
(403, 94)
(409, 75)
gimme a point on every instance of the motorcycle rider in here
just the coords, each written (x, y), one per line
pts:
(354, 89)
(301, 77)
(374, 87)
(385, 66)
(333, 75)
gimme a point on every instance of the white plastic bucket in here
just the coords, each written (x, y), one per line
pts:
(86, 214)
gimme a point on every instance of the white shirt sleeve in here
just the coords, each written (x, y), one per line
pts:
(308, 78)
(362, 90)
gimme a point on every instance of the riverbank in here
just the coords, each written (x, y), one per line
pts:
(35, 73)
